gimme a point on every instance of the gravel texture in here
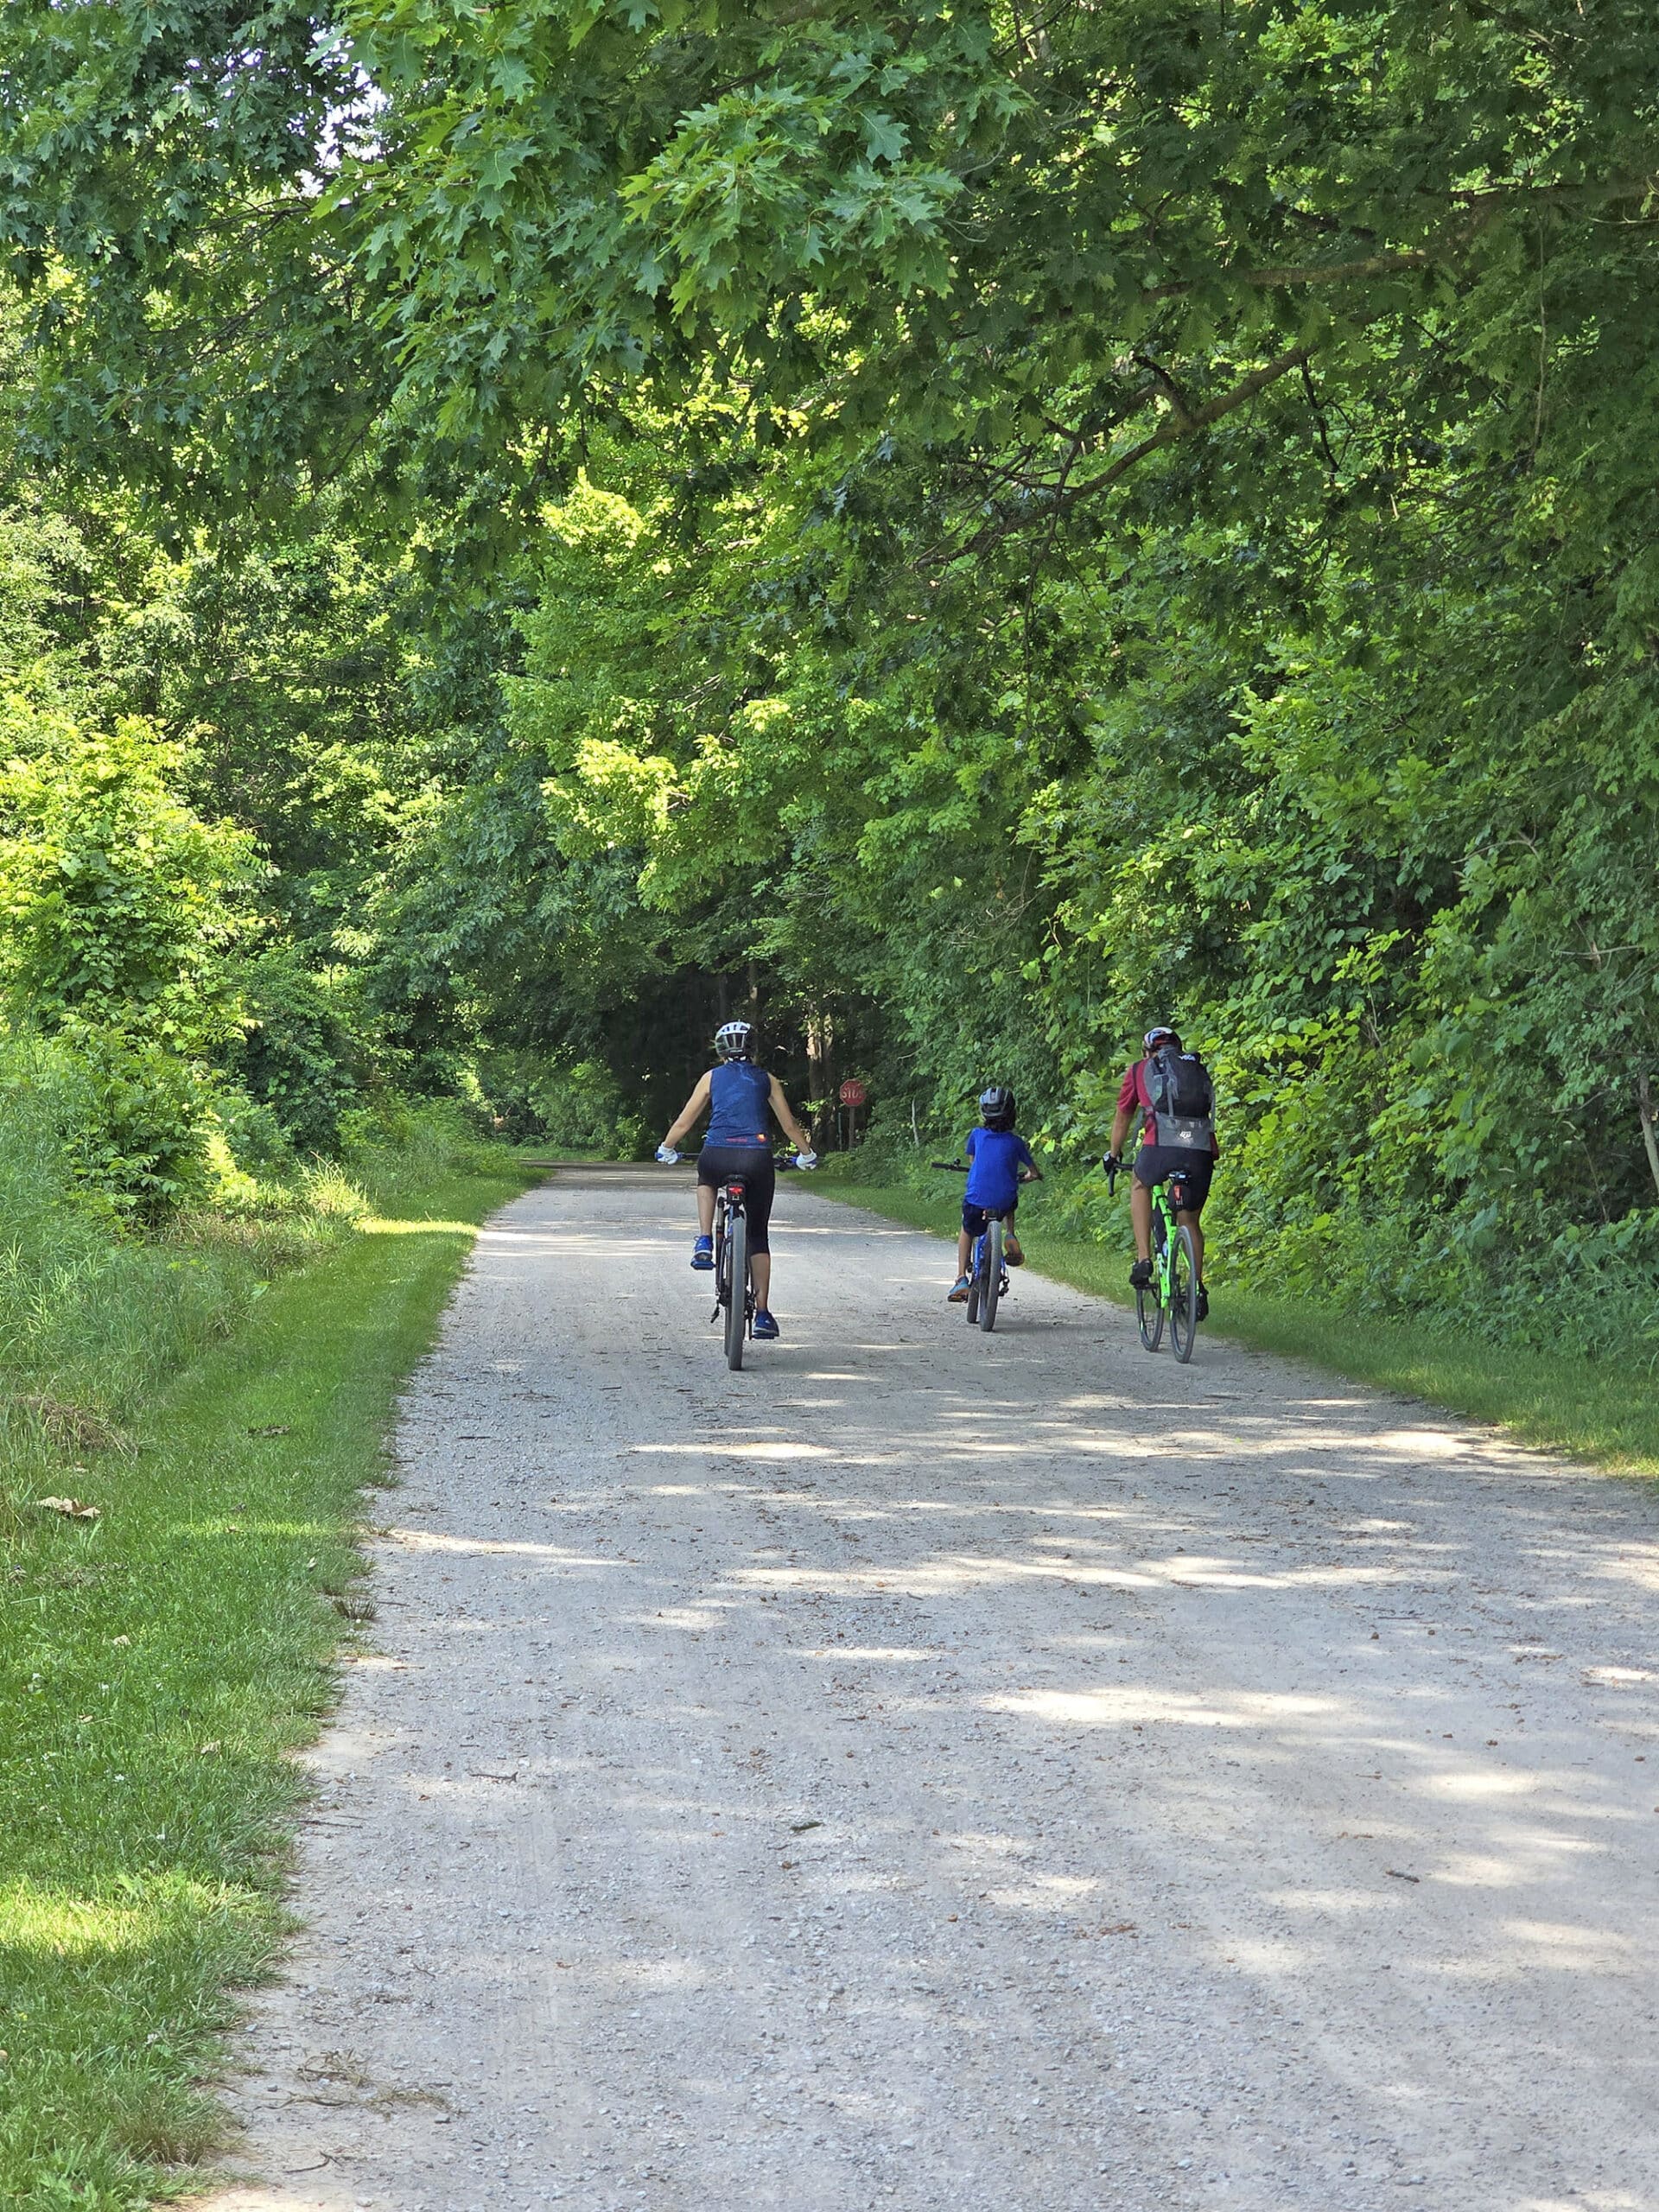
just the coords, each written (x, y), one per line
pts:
(929, 1770)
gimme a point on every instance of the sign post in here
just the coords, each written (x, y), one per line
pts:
(852, 1095)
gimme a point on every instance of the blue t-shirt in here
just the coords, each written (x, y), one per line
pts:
(740, 1096)
(994, 1159)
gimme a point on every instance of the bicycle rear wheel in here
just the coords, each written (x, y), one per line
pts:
(737, 1289)
(1183, 1294)
(991, 1287)
(1149, 1302)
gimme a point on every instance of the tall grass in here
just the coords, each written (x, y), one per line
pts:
(95, 1314)
(161, 1657)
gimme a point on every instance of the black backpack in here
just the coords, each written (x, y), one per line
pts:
(1182, 1095)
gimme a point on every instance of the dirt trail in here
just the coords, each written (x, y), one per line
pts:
(935, 1771)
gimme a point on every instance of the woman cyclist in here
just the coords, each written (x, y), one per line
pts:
(740, 1096)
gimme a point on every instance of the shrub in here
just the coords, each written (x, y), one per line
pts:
(91, 1312)
(144, 1140)
(117, 907)
(298, 1052)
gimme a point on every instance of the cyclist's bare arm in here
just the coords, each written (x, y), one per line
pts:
(694, 1106)
(1119, 1133)
(786, 1121)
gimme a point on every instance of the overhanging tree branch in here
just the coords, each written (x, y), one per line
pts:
(1483, 207)
(1177, 427)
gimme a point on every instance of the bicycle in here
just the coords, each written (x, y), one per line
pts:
(989, 1282)
(1173, 1290)
(732, 1263)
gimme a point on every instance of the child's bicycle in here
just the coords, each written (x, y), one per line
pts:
(1173, 1290)
(988, 1281)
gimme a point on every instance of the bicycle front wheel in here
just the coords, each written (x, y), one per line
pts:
(1183, 1294)
(737, 1289)
(991, 1287)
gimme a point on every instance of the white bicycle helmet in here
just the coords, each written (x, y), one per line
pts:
(734, 1040)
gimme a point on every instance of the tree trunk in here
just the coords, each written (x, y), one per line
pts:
(821, 1076)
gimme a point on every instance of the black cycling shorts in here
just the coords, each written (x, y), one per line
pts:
(1155, 1163)
(974, 1219)
(752, 1165)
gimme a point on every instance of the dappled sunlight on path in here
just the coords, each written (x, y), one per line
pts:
(929, 1770)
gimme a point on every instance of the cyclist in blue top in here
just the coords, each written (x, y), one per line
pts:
(740, 1096)
(998, 1161)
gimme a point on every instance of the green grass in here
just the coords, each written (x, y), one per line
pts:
(1599, 1411)
(159, 1668)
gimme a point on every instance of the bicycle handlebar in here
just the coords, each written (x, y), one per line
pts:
(779, 1159)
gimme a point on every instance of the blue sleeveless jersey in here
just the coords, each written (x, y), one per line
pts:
(739, 1096)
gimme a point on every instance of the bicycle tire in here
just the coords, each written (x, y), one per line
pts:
(737, 1298)
(1183, 1294)
(992, 1286)
(976, 1254)
(1149, 1302)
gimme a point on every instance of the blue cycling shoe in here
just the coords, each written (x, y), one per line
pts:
(763, 1325)
(702, 1254)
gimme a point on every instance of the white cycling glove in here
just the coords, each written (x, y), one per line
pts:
(667, 1156)
(806, 1160)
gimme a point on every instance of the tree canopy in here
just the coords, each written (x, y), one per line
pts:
(968, 530)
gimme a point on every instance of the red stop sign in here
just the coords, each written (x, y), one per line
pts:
(853, 1092)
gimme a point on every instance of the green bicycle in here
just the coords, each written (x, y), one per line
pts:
(1173, 1293)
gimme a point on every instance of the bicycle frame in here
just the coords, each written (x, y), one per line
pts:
(1167, 1297)
(1164, 1210)
(986, 1289)
(988, 1284)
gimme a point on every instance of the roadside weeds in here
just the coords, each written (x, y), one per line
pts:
(163, 1662)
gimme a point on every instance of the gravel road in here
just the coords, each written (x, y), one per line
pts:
(929, 1770)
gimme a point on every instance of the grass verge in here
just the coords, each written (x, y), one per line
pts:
(160, 1666)
(1600, 1412)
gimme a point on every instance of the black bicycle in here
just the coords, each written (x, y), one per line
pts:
(988, 1281)
(731, 1261)
(732, 1266)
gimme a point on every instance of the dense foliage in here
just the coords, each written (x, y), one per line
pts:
(966, 530)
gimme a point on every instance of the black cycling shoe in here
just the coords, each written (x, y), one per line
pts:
(1204, 1303)
(1141, 1275)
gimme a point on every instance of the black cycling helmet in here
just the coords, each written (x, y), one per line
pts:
(734, 1040)
(1162, 1034)
(997, 1107)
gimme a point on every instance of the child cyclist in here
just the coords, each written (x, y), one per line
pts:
(998, 1161)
